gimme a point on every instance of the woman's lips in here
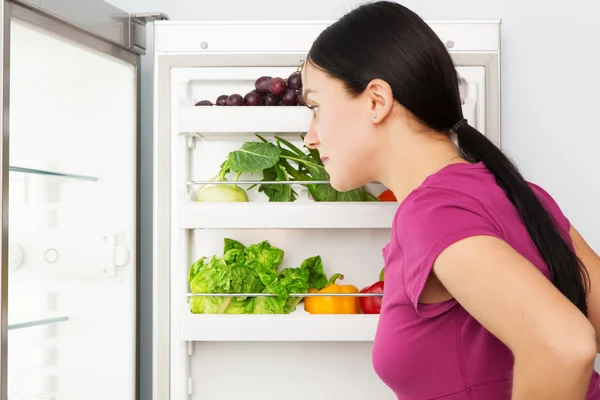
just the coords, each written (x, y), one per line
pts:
(324, 160)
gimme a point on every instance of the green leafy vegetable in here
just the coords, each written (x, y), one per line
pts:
(254, 157)
(282, 162)
(277, 193)
(311, 168)
(251, 157)
(251, 269)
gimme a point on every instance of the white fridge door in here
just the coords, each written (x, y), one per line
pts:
(69, 202)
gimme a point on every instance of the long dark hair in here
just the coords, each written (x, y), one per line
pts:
(388, 41)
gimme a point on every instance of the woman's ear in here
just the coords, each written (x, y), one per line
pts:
(380, 99)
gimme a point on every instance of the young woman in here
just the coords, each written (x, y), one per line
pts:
(490, 293)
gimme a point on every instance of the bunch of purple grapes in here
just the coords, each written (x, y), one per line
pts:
(268, 91)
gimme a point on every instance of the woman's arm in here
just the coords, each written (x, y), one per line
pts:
(554, 345)
(591, 261)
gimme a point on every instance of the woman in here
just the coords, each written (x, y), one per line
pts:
(490, 293)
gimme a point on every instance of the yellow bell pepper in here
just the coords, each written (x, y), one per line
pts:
(333, 304)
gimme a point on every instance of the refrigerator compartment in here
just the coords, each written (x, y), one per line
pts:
(356, 254)
(208, 84)
(295, 327)
(291, 215)
(208, 122)
(203, 163)
(286, 370)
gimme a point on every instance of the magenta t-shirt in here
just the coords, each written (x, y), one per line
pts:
(438, 351)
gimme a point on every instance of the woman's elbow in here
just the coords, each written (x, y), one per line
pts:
(579, 349)
(572, 346)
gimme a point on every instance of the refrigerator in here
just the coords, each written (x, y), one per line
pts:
(70, 187)
(213, 341)
(71, 217)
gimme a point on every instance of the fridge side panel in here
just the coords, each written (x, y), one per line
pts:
(162, 232)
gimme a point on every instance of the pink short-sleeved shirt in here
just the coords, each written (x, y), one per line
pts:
(438, 351)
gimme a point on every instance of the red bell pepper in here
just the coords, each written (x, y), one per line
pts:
(372, 304)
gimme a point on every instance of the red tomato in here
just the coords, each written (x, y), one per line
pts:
(387, 195)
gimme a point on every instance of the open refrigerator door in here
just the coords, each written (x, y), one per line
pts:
(69, 163)
(244, 336)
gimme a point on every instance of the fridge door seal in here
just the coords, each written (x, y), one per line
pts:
(5, 16)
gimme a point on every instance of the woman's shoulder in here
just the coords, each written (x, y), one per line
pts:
(453, 190)
(466, 193)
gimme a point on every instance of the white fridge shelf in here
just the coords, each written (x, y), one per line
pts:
(296, 327)
(341, 215)
(206, 120)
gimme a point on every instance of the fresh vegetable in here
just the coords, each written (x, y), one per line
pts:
(222, 193)
(251, 157)
(293, 164)
(250, 270)
(333, 304)
(372, 304)
(283, 161)
(387, 195)
(382, 274)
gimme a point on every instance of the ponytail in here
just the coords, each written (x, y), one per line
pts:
(567, 272)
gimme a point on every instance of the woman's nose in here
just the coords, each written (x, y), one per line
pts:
(311, 140)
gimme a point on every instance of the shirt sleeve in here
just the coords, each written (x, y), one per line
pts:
(429, 222)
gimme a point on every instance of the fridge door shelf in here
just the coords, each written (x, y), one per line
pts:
(22, 322)
(296, 327)
(292, 215)
(218, 121)
(53, 174)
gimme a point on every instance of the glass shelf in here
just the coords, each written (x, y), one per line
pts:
(28, 323)
(51, 173)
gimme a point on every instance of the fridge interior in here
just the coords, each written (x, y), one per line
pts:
(296, 355)
(72, 242)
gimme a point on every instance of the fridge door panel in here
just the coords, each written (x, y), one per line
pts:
(72, 250)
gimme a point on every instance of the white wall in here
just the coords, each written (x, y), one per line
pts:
(550, 87)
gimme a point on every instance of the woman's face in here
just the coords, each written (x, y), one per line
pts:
(342, 130)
